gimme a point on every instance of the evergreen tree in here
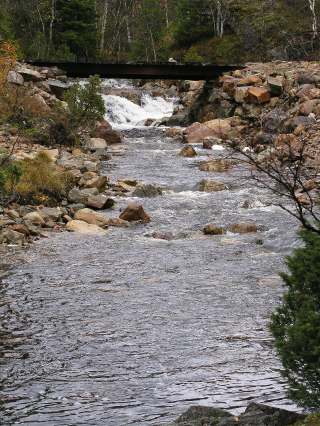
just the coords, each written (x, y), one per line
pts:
(75, 28)
(296, 323)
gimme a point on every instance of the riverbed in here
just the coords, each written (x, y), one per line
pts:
(129, 329)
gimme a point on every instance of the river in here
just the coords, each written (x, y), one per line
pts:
(128, 329)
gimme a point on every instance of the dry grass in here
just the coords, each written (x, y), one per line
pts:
(42, 182)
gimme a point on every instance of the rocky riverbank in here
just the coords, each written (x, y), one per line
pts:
(254, 415)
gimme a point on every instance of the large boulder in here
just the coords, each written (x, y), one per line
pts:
(105, 131)
(82, 227)
(143, 190)
(197, 132)
(220, 128)
(135, 212)
(92, 217)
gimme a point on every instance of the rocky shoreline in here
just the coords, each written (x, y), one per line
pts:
(254, 415)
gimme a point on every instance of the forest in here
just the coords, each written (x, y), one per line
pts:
(215, 31)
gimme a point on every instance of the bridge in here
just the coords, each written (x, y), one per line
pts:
(163, 71)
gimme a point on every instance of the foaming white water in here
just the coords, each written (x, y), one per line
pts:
(122, 113)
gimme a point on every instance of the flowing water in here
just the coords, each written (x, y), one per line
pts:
(128, 329)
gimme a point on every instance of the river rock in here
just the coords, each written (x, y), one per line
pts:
(276, 85)
(9, 236)
(100, 202)
(243, 228)
(216, 165)
(174, 132)
(82, 227)
(146, 190)
(118, 223)
(96, 143)
(211, 186)
(35, 218)
(52, 213)
(77, 195)
(135, 212)
(307, 107)
(21, 228)
(93, 180)
(258, 95)
(36, 105)
(104, 131)
(213, 230)
(13, 214)
(208, 142)
(196, 133)
(30, 75)
(188, 151)
(15, 78)
(92, 217)
(220, 128)
(255, 415)
(198, 415)
(58, 87)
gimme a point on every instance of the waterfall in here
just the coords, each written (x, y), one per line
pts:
(123, 114)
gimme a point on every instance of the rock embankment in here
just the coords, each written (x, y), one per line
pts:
(255, 415)
(91, 190)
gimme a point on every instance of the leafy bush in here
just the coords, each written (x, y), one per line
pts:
(192, 55)
(42, 181)
(85, 103)
(9, 177)
(296, 323)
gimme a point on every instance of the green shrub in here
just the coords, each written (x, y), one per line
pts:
(192, 55)
(85, 103)
(41, 181)
(296, 323)
(10, 175)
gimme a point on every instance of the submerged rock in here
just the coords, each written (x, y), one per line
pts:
(146, 190)
(213, 230)
(188, 151)
(211, 186)
(243, 228)
(217, 165)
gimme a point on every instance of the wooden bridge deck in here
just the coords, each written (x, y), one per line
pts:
(162, 71)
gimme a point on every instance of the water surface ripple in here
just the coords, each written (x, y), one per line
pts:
(126, 329)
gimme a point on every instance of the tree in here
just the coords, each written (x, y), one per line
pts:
(296, 323)
(75, 27)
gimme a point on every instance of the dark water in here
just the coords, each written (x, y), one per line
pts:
(125, 329)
